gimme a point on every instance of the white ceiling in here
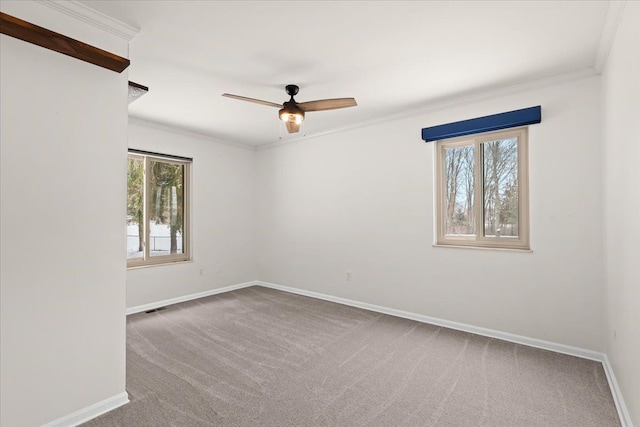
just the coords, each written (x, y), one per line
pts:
(391, 56)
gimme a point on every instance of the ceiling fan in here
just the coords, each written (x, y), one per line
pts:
(292, 112)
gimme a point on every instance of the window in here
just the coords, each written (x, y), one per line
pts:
(157, 209)
(482, 191)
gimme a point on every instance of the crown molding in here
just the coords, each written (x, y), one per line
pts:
(92, 17)
(187, 132)
(451, 101)
(611, 24)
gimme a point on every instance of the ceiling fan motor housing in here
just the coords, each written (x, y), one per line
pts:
(291, 112)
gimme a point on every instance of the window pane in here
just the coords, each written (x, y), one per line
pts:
(135, 208)
(459, 175)
(166, 213)
(501, 188)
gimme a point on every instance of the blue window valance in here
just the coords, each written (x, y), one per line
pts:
(510, 119)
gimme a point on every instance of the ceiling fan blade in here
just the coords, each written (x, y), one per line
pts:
(292, 127)
(256, 101)
(327, 104)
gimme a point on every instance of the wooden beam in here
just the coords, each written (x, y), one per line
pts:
(48, 39)
(136, 90)
(138, 86)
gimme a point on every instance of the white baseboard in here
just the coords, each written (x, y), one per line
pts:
(90, 412)
(158, 304)
(519, 339)
(623, 413)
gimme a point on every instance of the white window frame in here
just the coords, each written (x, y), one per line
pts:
(479, 240)
(148, 260)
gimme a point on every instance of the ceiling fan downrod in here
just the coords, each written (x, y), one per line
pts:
(292, 90)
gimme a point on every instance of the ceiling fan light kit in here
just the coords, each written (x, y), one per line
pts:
(292, 112)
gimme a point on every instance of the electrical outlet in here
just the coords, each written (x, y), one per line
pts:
(202, 272)
(348, 276)
(615, 335)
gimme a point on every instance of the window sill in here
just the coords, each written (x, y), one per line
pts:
(162, 264)
(483, 248)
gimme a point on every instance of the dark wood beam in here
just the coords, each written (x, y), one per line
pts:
(136, 90)
(138, 86)
(48, 39)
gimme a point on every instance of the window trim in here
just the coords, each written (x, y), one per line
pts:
(146, 259)
(479, 240)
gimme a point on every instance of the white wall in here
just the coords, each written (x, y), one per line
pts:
(223, 217)
(63, 186)
(621, 112)
(362, 201)
(358, 201)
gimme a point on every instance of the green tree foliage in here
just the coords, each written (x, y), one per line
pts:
(166, 193)
(135, 198)
(166, 187)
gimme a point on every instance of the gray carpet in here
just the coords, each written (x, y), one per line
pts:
(261, 357)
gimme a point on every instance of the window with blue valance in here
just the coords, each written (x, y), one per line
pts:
(523, 117)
